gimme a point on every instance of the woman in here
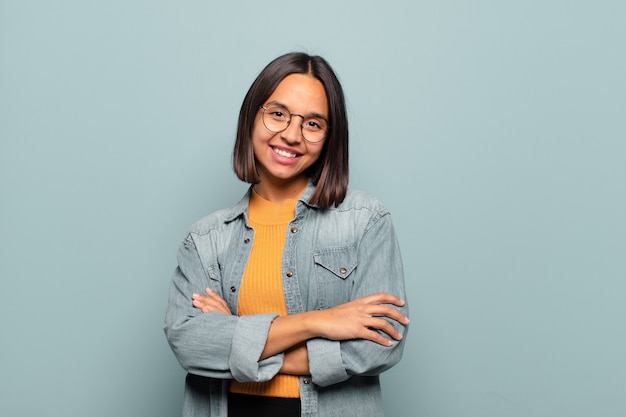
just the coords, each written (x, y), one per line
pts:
(291, 302)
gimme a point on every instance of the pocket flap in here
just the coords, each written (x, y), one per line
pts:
(214, 272)
(339, 261)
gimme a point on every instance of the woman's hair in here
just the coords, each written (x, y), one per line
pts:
(330, 172)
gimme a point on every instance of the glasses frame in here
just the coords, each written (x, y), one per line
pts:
(264, 107)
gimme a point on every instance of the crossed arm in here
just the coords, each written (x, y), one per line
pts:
(361, 318)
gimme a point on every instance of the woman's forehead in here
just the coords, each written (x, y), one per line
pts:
(301, 93)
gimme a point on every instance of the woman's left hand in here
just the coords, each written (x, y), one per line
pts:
(210, 302)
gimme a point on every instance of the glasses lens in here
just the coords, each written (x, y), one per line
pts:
(276, 118)
(314, 129)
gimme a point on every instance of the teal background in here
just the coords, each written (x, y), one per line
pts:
(493, 130)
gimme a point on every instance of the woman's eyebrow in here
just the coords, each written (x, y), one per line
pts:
(284, 106)
(278, 103)
(318, 115)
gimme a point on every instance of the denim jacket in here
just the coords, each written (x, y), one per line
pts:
(331, 256)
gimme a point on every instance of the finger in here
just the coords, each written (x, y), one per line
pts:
(212, 294)
(211, 302)
(390, 312)
(378, 338)
(199, 303)
(385, 327)
(199, 297)
(384, 310)
(215, 296)
(383, 298)
(208, 307)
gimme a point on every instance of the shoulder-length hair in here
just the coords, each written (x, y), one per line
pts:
(329, 173)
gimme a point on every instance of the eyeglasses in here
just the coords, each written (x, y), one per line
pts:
(277, 118)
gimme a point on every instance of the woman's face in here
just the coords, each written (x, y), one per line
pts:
(282, 158)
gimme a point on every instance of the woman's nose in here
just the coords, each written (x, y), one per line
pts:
(293, 132)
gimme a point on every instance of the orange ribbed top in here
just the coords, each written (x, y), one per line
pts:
(262, 286)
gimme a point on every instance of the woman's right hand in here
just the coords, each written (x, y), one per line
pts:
(210, 302)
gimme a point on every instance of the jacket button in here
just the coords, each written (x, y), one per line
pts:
(343, 270)
(307, 381)
(233, 289)
(294, 230)
(246, 240)
(289, 274)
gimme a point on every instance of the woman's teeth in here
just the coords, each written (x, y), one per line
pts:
(284, 153)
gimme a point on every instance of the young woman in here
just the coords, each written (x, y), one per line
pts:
(291, 302)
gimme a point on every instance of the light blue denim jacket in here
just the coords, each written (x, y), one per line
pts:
(331, 256)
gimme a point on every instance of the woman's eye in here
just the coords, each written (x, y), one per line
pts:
(313, 125)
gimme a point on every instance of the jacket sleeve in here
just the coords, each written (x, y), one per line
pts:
(379, 269)
(213, 344)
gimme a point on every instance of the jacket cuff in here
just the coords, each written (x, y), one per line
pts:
(325, 363)
(247, 346)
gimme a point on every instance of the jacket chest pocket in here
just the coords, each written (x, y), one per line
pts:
(334, 273)
(223, 287)
(214, 271)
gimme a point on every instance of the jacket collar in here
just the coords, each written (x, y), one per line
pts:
(241, 208)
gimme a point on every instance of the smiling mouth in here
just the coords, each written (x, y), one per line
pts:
(284, 153)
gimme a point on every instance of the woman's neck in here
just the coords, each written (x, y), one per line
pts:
(280, 192)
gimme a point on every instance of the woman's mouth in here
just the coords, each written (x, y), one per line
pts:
(284, 153)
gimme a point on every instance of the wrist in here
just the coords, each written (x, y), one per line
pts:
(312, 324)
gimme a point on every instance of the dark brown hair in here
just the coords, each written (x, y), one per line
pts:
(330, 172)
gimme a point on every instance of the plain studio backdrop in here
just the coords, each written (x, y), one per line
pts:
(494, 131)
